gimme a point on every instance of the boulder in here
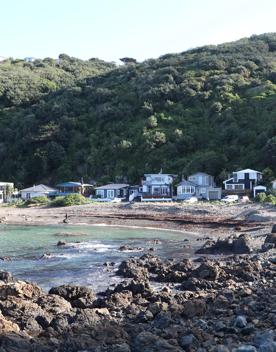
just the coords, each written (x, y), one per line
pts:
(6, 277)
(207, 271)
(7, 326)
(133, 286)
(271, 239)
(54, 304)
(194, 308)
(20, 289)
(78, 296)
(240, 245)
(147, 341)
(127, 248)
(133, 269)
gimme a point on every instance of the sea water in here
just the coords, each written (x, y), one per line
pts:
(34, 255)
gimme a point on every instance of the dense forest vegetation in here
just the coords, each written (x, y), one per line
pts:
(208, 109)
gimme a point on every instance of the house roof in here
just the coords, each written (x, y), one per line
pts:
(200, 173)
(38, 188)
(260, 187)
(73, 184)
(6, 183)
(187, 183)
(158, 174)
(248, 171)
(229, 179)
(113, 186)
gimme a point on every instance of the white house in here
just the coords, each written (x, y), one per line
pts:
(157, 187)
(6, 191)
(36, 191)
(274, 185)
(200, 185)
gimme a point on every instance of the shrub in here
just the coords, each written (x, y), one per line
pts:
(260, 197)
(40, 200)
(270, 199)
(70, 199)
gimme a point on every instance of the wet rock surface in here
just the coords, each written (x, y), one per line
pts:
(213, 303)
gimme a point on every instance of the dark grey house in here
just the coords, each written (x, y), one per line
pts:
(243, 182)
(113, 190)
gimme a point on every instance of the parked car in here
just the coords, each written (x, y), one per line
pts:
(191, 200)
(230, 198)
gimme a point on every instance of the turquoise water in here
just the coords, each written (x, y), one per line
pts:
(35, 256)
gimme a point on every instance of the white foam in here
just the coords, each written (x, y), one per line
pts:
(91, 246)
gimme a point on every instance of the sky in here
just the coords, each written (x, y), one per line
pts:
(111, 29)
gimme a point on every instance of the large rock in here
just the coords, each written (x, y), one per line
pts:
(6, 326)
(194, 308)
(134, 286)
(20, 289)
(133, 268)
(54, 304)
(148, 342)
(6, 277)
(78, 296)
(271, 238)
(207, 271)
(240, 245)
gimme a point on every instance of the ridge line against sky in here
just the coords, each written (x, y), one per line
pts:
(110, 29)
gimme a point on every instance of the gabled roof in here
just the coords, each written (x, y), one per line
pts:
(231, 178)
(113, 186)
(247, 171)
(158, 174)
(200, 173)
(73, 184)
(187, 183)
(38, 188)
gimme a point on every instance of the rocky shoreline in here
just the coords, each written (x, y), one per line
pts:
(212, 303)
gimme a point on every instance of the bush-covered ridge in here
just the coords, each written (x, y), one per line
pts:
(211, 109)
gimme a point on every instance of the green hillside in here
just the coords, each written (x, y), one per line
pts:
(208, 109)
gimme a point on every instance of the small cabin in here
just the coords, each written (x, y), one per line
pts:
(36, 191)
(112, 190)
(74, 187)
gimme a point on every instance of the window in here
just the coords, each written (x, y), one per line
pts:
(164, 190)
(235, 177)
(238, 187)
(110, 193)
(229, 187)
(156, 190)
(188, 189)
(100, 193)
(1, 196)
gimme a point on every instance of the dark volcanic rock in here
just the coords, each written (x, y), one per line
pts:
(6, 276)
(78, 296)
(127, 248)
(207, 271)
(271, 239)
(133, 269)
(240, 245)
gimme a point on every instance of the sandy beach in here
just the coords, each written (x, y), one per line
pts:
(206, 218)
